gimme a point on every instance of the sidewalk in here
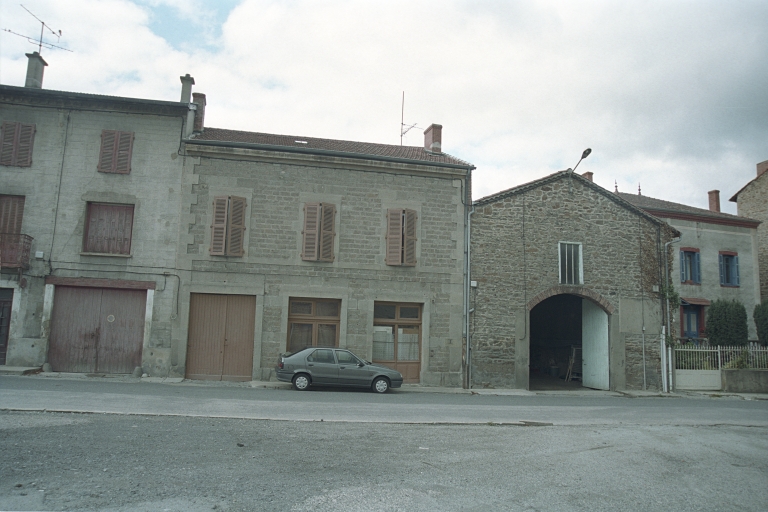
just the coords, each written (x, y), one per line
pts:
(36, 372)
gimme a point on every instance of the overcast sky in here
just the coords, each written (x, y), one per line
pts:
(670, 95)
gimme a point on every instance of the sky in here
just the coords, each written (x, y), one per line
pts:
(671, 96)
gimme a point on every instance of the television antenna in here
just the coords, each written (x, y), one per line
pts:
(40, 42)
(404, 128)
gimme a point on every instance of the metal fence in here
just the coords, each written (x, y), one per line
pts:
(752, 356)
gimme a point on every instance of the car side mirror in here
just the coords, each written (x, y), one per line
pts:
(360, 364)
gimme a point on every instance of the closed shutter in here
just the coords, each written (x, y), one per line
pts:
(311, 231)
(236, 226)
(722, 268)
(394, 239)
(327, 233)
(696, 270)
(682, 266)
(116, 150)
(409, 252)
(736, 270)
(17, 141)
(11, 213)
(219, 226)
(109, 229)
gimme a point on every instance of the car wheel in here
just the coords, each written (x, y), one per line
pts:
(301, 381)
(380, 385)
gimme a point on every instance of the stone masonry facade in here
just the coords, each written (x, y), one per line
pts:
(752, 202)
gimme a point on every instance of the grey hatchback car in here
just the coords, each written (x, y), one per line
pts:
(334, 367)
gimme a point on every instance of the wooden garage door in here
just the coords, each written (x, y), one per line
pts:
(96, 330)
(220, 343)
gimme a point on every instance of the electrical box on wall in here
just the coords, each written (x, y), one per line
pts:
(39, 254)
(473, 284)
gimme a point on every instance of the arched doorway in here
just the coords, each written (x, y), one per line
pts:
(565, 327)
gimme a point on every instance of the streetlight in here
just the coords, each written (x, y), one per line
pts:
(584, 155)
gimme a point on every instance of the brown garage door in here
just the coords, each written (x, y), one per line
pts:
(220, 344)
(96, 329)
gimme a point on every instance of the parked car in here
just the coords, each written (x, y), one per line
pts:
(335, 367)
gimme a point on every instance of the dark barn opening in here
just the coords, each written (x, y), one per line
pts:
(556, 328)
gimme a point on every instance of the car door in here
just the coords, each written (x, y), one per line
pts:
(321, 365)
(350, 371)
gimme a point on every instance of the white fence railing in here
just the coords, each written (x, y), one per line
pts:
(703, 357)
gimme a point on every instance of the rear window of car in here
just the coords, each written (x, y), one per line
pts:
(321, 355)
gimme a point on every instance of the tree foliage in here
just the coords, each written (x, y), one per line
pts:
(761, 321)
(727, 323)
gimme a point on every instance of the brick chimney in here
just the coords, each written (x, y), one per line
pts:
(35, 69)
(714, 200)
(433, 138)
(762, 167)
(186, 88)
(199, 99)
(588, 175)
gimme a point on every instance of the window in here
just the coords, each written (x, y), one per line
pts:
(116, 149)
(322, 355)
(318, 234)
(397, 337)
(401, 237)
(108, 228)
(17, 141)
(571, 271)
(11, 213)
(313, 323)
(228, 226)
(690, 266)
(729, 268)
(692, 319)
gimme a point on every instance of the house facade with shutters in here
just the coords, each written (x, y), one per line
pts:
(716, 258)
(563, 269)
(90, 191)
(289, 242)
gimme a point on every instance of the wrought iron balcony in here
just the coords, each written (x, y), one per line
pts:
(14, 250)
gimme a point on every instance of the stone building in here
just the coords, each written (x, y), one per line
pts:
(561, 267)
(90, 188)
(716, 258)
(292, 241)
(752, 201)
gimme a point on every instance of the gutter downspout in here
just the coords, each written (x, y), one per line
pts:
(666, 285)
(469, 210)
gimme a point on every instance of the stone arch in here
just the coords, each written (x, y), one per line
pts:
(579, 291)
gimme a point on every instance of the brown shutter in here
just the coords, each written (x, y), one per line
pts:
(107, 154)
(219, 226)
(327, 232)
(11, 213)
(236, 226)
(24, 147)
(9, 139)
(109, 228)
(124, 148)
(394, 237)
(409, 238)
(311, 231)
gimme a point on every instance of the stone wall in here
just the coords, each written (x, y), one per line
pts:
(753, 203)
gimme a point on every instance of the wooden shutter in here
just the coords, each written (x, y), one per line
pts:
(736, 270)
(116, 150)
(236, 226)
(394, 240)
(696, 270)
(219, 226)
(682, 266)
(311, 232)
(17, 142)
(109, 228)
(327, 231)
(722, 268)
(409, 238)
(11, 213)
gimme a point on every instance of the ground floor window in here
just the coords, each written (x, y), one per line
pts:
(313, 323)
(397, 337)
(692, 318)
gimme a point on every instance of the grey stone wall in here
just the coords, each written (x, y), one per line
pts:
(753, 203)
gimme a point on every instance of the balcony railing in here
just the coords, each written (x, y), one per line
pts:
(14, 250)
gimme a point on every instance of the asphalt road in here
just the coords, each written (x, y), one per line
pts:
(209, 450)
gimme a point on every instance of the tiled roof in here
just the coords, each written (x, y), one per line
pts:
(659, 206)
(308, 144)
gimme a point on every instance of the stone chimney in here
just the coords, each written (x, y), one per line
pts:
(762, 167)
(186, 88)
(714, 200)
(35, 70)
(588, 175)
(433, 138)
(199, 100)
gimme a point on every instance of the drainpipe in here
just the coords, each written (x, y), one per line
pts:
(666, 285)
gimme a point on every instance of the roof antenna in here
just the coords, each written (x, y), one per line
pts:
(39, 42)
(403, 127)
(616, 186)
(638, 189)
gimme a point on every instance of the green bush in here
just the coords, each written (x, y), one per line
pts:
(761, 321)
(727, 323)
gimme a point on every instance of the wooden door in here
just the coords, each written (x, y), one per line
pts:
(121, 330)
(594, 346)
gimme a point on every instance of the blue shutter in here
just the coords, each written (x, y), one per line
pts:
(682, 266)
(736, 270)
(696, 271)
(722, 269)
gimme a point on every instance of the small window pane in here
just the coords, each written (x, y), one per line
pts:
(322, 356)
(326, 335)
(328, 308)
(409, 312)
(408, 344)
(301, 308)
(300, 337)
(383, 343)
(384, 311)
(345, 357)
